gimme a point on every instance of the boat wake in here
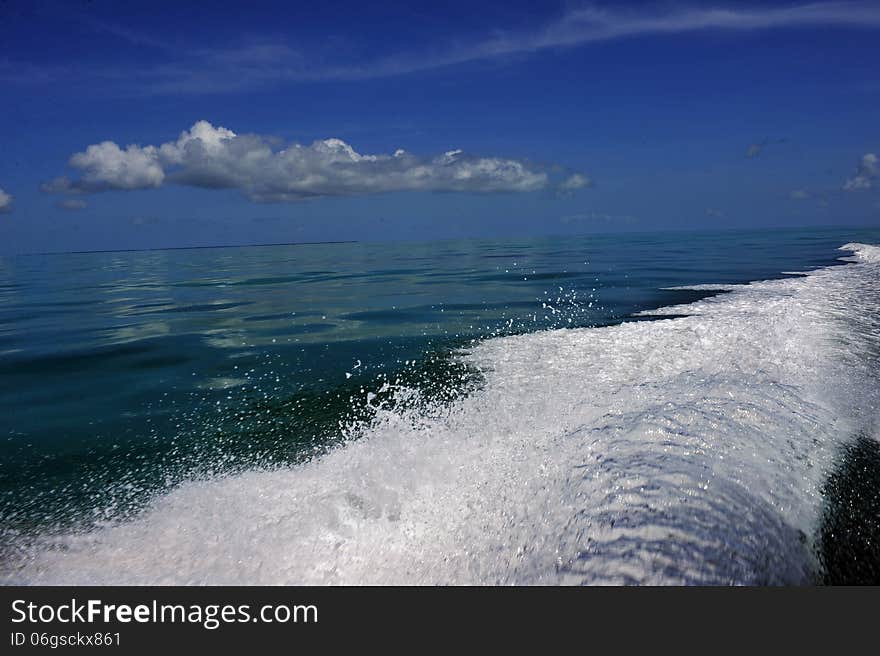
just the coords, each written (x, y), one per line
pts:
(680, 450)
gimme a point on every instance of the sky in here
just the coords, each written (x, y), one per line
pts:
(167, 124)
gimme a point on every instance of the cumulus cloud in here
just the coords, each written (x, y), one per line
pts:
(5, 202)
(106, 166)
(73, 204)
(866, 173)
(217, 158)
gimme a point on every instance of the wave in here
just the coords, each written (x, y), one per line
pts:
(862, 252)
(684, 450)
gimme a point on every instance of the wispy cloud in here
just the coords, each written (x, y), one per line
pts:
(212, 157)
(5, 202)
(261, 62)
(865, 178)
(757, 148)
(574, 182)
(72, 204)
(236, 67)
(867, 172)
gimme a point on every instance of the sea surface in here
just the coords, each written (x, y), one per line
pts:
(667, 408)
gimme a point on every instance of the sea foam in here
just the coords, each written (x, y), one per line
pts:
(681, 450)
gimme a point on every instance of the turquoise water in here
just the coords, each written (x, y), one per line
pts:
(124, 374)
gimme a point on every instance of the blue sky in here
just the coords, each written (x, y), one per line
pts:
(293, 121)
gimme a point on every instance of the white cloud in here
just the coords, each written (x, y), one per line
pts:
(5, 202)
(867, 171)
(107, 166)
(217, 158)
(799, 194)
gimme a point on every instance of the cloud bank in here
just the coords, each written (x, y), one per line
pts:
(867, 172)
(212, 157)
(5, 202)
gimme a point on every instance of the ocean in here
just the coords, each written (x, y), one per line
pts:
(670, 408)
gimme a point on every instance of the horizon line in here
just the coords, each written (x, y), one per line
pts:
(187, 248)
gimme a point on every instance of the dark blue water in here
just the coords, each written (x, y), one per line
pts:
(122, 374)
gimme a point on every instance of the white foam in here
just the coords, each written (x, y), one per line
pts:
(862, 252)
(686, 450)
(717, 287)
